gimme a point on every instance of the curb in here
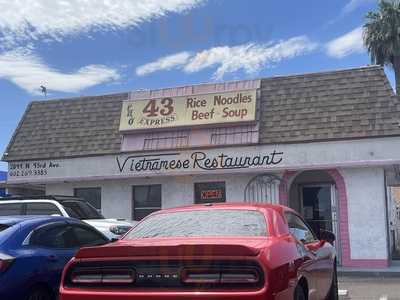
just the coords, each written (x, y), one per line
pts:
(381, 274)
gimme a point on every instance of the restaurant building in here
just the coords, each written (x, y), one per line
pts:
(326, 144)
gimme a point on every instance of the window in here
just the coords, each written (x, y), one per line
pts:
(199, 223)
(209, 192)
(10, 209)
(81, 210)
(54, 236)
(91, 195)
(146, 199)
(46, 209)
(166, 140)
(4, 227)
(87, 237)
(299, 229)
(243, 134)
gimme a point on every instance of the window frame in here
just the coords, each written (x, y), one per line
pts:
(26, 204)
(79, 203)
(21, 208)
(134, 208)
(315, 238)
(86, 200)
(88, 228)
(28, 239)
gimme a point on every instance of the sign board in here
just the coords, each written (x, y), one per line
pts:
(168, 112)
(209, 192)
(227, 160)
(144, 164)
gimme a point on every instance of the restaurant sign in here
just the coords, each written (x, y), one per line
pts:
(227, 160)
(170, 163)
(227, 107)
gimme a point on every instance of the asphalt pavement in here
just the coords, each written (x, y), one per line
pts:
(369, 288)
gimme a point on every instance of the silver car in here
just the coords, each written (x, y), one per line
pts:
(68, 207)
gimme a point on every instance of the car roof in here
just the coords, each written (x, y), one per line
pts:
(231, 205)
(39, 200)
(58, 198)
(25, 200)
(12, 220)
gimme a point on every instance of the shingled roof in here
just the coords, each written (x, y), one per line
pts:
(68, 127)
(345, 104)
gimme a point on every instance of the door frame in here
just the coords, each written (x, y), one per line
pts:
(334, 210)
(392, 231)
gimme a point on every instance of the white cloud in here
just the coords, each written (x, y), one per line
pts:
(248, 57)
(28, 71)
(354, 4)
(54, 19)
(164, 63)
(347, 44)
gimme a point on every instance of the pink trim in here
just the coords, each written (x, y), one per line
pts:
(284, 187)
(207, 88)
(191, 138)
(343, 219)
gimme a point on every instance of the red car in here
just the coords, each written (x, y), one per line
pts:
(214, 251)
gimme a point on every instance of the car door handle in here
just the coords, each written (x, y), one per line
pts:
(52, 258)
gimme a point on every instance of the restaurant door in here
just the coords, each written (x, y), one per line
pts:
(394, 222)
(319, 207)
(313, 195)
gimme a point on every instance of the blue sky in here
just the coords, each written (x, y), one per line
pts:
(93, 47)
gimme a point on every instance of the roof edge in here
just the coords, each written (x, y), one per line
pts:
(11, 142)
(209, 82)
(335, 71)
(78, 97)
(309, 141)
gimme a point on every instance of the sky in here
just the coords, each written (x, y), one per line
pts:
(93, 47)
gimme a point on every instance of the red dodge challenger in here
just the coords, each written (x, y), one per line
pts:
(214, 251)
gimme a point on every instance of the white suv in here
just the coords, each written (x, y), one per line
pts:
(64, 206)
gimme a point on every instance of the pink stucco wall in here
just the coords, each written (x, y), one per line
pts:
(344, 236)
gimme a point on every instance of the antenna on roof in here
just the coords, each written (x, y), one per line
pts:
(44, 90)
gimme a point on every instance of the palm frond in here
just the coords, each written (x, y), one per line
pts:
(381, 32)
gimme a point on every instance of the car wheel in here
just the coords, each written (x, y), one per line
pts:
(39, 293)
(299, 293)
(333, 291)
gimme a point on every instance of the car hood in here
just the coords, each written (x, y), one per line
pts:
(178, 247)
(106, 223)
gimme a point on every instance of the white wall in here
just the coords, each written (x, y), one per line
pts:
(367, 212)
(303, 156)
(365, 192)
(116, 195)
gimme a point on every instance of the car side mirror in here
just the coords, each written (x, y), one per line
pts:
(328, 236)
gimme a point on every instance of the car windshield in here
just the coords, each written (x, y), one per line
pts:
(81, 210)
(198, 223)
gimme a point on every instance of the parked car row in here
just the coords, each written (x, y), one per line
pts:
(212, 251)
(34, 251)
(64, 206)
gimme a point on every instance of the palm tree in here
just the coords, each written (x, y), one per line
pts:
(381, 34)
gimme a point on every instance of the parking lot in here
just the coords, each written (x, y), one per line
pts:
(370, 288)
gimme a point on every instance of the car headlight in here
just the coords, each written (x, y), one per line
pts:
(119, 229)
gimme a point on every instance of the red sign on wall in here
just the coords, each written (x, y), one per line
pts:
(206, 192)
